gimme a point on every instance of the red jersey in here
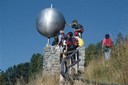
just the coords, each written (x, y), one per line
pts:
(107, 42)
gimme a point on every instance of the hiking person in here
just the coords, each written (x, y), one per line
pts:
(71, 44)
(70, 57)
(62, 43)
(62, 38)
(106, 46)
(77, 27)
(55, 41)
(80, 41)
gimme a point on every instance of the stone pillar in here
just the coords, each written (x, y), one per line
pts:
(81, 57)
(51, 60)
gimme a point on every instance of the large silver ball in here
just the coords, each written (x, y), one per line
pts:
(49, 22)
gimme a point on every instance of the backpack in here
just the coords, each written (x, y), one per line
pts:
(75, 42)
(72, 43)
(107, 42)
(82, 29)
(80, 42)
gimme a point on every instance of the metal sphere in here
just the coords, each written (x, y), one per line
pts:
(49, 22)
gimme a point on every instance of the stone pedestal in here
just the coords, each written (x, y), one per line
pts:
(51, 60)
(82, 58)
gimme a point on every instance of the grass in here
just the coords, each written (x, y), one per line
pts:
(113, 71)
(42, 79)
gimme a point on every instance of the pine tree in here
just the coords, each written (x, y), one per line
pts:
(90, 53)
(36, 63)
(126, 38)
(120, 39)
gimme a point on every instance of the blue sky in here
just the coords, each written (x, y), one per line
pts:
(19, 38)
